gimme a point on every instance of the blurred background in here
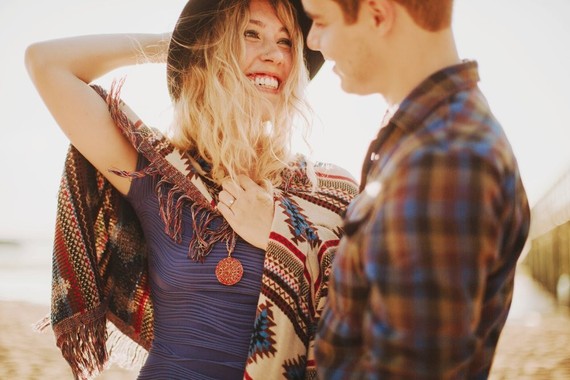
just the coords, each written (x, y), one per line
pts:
(522, 50)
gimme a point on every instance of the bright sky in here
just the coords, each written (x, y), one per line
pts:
(521, 47)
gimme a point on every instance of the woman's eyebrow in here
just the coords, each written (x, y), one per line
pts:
(262, 25)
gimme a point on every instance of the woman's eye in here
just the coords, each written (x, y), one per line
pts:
(285, 41)
(251, 34)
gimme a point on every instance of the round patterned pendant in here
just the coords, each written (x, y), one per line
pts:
(229, 271)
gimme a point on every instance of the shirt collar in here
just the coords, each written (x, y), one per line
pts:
(432, 91)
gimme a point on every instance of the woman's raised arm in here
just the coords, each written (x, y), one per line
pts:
(62, 69)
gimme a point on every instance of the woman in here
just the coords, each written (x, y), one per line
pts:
(221, 270)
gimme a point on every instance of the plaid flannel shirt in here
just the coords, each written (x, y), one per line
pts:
(422, 283)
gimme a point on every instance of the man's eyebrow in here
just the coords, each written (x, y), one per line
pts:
(262, 25)
(310, 14)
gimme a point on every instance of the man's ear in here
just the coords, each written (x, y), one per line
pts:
(382, 13)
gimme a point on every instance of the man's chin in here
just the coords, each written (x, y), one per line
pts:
(346, 82)
(354, 85)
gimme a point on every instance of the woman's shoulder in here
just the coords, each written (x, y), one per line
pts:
(332, 171)
(327, 174)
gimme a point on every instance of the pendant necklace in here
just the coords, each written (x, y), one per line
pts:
(229, 270)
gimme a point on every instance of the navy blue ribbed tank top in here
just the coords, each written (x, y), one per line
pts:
(202, 328)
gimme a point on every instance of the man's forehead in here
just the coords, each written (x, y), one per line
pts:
(314, 8)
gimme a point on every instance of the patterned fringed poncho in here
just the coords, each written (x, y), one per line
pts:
(101, 311)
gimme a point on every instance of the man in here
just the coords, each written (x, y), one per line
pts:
(423, 280)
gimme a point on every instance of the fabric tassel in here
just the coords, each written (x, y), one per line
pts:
(178, 209)
(205, 237)
(172, 201)
(200, 244)
(123, 351)
(42, 324)
(169, 212)
(81, 340)
(149, 170)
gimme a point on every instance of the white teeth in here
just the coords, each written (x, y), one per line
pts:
(265, 81)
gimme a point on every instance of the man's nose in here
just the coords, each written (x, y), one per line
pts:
(313, 39)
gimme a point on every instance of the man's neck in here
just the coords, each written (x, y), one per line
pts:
(425, 55)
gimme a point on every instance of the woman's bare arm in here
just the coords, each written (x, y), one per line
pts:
(62, 69)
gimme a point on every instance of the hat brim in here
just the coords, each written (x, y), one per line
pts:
(188, 28)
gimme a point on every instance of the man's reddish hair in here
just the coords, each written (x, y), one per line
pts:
(431, 15)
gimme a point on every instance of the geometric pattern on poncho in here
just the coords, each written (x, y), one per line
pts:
(262, 342)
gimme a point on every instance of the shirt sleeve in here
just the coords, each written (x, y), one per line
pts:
(433, 234)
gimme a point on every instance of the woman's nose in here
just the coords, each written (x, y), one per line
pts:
(272, 53)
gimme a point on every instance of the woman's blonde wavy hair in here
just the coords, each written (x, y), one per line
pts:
(223, 117)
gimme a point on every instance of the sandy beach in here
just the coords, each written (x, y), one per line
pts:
(25, 287)
(538, 352)
(534, 345)
(28, 355)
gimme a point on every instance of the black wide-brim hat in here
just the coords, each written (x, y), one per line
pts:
(189, 28)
